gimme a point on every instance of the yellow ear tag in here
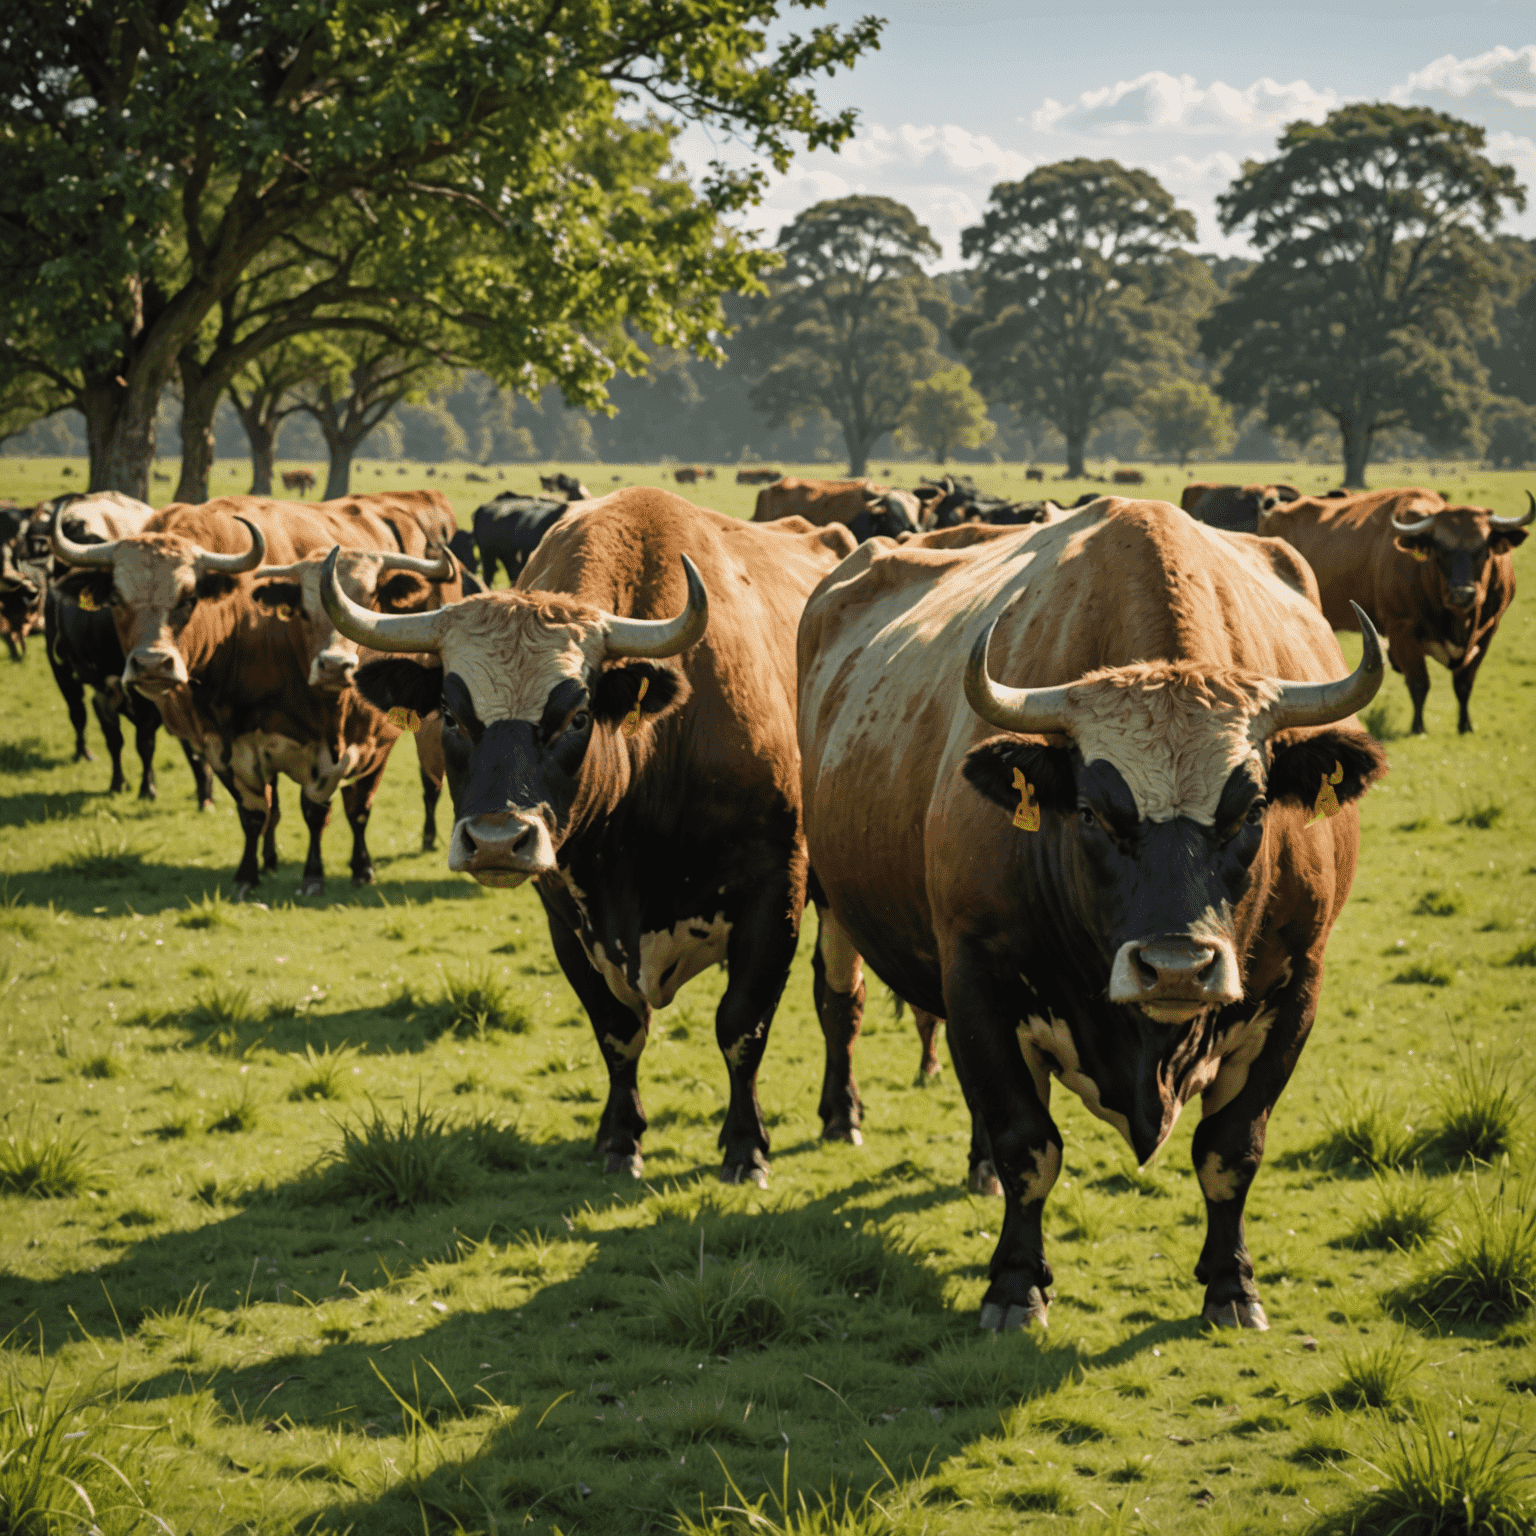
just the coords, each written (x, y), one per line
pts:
(632, 719)
(284, 612)
(1328, 802)
(1027, 817)
(88, 603)
(1421, 555)
(404, 719)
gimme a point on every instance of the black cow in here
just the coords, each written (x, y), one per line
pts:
(885, 516)
(508, 530)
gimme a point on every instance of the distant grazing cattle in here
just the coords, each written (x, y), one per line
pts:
(758, 476)
(1034, 474)
(1129, 477)
(1434, 579)
(564, 485)
(951, 501)
(888, 515)
(301, 480)
(638, 765)
(691, 474)
(508, 530)
(23, 574)
(1118, 869)
(819, 502)
(1237, 508)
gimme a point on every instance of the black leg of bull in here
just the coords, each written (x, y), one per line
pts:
(111, 729)
(1228, 1148)
(838, 986)
(202, 776)
(316, 818)
(145, 729)
(1462, 680)
(357, 805)
(269, 835)
(621, 1037)
(1416, 675)
(759, 953)
(252, 823)
(981, 1172)
(16, 646)
(983, 1014)
(74, 701)
(431, 790)
(928, 1038)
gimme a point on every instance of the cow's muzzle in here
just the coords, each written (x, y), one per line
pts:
(1173, 977)
(332, 671)
(154, 670)
(1461, 597)
(502, 848)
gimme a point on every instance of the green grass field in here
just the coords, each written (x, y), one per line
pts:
(300, 1227)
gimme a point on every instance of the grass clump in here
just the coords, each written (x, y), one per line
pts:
(475, 1004)
(103, 1065)
(325, 1072)
(1367, 1132)
(1425, 973)
(102, 853)
(16, 917)
(988, 1371)
(1479, 1110)
(1376, 1375)
(1438, 904)
(1379, 721)
(26, 754)
(237, 1114)
(1524, 956)
(1428, 1480)
(1481, 814)
(1485, 1269)
(51, 1168)
(875, 1512)
(419, 1159)
(211, 912)
(1404, 1213)
(727, 1304)
(222, 1015)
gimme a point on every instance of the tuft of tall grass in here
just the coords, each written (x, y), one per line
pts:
(102, 1065)
(1425, 973)
(420, 1159)
(237, 1115)
(1404, 1212)
(1367, 1132)
(989, 1371)
(1485, 1268)
(16, 917)
(725, 1304)
(211, 912)
(1438, 904)
(476, 1003)
(1379, 721)
(877, 1511)
(50, 1168)
(1435, 1480)
(1524, 956)
(24, 754)
(1376, 1375)
(325, 1072)
(1481, 814)
(102, 853)
(1479, 1110)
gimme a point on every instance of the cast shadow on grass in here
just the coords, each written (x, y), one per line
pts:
(31, 809)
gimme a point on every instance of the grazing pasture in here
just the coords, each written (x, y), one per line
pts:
(301, 1229)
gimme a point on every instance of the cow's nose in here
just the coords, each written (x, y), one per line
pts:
(153, 667)
(1175, 975)
(332, 669)
(1462, 597)
(496, 845)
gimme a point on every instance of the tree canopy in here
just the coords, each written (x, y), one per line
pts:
(164, 147)
(1073, 264)
(851, 323)
(1374, 283)
(1184, 417)
(945, 413)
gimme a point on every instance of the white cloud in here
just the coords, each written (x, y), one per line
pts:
(1178, 104)
(1506, 73)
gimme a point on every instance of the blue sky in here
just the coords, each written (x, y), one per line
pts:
(966, 93)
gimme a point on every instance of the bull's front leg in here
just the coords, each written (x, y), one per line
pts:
(983, 1011)
(838, 986)
(112, 730)
(759, 953)
(1228, 1148)
(253, 816)
(621, 1037)
(357, 805)
(1462, 680)
(1407, 657)
(317, 816)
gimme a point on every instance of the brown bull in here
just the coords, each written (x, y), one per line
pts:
(230, 677)
(1086, 791)
(620, 729)
(1433, 578)
(758, 476)
(1237, 508)
(819, 502)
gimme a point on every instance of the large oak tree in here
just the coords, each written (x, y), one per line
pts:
(1375, 279)
(1081, 291)
(155, 150)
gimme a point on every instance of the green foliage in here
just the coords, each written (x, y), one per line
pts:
(1510, 428)
(1480, 1109)
(474, 1003)
(1186, 419)
(1367, 1132)
(1438, 904)
(835, 1513)
(1433, 1480)
(851, 324)
(733, 1304)
(1404, 1212)
(324, 1072)
(211, 912)
(237, 1115)
(1375, 276)
(1376, 1375)
(943, 414)
(1482, 814)
(1072, 263)
(46, 1168)
(1426, 973)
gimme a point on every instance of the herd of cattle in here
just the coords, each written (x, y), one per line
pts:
(1080, 782)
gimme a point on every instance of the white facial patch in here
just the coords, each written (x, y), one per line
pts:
(511, 653)
(1174, 734)
(151, 574)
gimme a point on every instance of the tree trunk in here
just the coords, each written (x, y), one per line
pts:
(263, 440)
(120, 435)
(200, 393)
(1357, 452)
(1077, 440)
(338, 479)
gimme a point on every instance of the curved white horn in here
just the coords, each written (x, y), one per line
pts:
(1419, 525)
(378, 631)
(97, 555)
(662, 637)
(1509, 524)
(440, 569)
(1323, 703)
(233, 565)
(1038, 710)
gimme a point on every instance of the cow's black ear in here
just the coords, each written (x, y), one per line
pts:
(1505, 540)
(1047, 768)
(278, 594)
(91, 589)
(404, 592)
(617, 690)
(1301, 764)
(212, 585)
(398, 681)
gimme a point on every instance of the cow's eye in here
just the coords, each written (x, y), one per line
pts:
(1089, 819)
(579, 721)
(449, 722)
(1255, 816)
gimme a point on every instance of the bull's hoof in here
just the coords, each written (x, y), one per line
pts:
(312, 886)
(744, 1173)
(996, 1318)
(842, 1130)
(117, 786)
(927, 1076)
(366, 878)
(205, 805)
(631, 1163)
(1236, 1314)
(147, 792)
(983, 1180)
(429, 844)
(243, 888)
(84, 755)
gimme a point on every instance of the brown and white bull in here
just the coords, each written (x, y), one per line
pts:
(1060, 789)
(871, 511)
(620, 729)
(1435, 579)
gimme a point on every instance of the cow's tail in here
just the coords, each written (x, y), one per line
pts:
(898, 1003)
